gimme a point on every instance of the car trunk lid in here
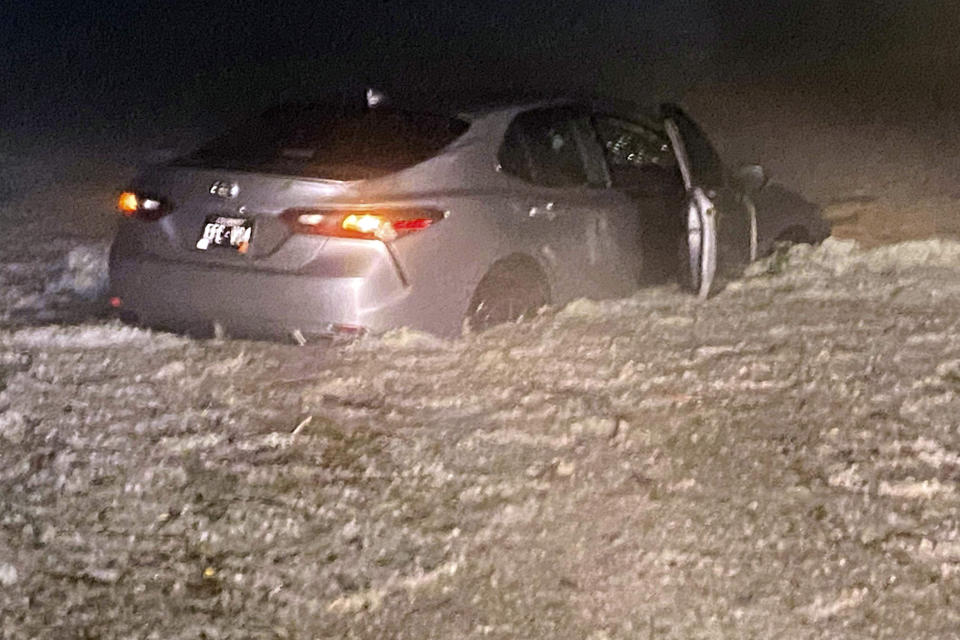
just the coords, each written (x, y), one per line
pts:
(226, 198)
(234, 200)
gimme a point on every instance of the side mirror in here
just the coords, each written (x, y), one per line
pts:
(752, 178)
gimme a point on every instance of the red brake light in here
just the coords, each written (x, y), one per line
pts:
(412, 224)
(378, 224)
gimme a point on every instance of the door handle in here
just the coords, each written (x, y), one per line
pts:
(548, 211)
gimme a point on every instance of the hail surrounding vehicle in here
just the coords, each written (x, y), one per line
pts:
(328, 220)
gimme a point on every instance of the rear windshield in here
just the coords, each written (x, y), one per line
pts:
(322, 141)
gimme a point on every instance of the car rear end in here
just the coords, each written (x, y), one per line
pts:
(309, 220)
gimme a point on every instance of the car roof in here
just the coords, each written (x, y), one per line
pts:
(596, 104)
(470, 108)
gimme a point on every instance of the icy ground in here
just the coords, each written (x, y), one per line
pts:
(780, 461)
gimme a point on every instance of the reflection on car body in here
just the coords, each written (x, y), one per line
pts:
(326, 220)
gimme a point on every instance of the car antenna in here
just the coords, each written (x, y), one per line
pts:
(376, 98)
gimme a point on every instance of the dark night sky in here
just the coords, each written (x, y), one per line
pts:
(152, 48)
(73, 60)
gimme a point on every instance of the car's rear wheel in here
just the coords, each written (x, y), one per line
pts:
(512, 290)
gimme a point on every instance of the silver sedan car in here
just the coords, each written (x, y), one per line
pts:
(327, 220)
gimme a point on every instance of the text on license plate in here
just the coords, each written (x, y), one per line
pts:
(222, 231)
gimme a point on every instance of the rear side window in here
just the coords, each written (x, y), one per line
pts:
(326, 141)
(541, 146)
(515, 155)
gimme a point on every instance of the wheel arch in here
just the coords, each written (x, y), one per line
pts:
(524, 264)
(517, 264)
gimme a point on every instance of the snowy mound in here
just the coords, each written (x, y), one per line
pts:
(89, 337)
(83, 272)
(837, 257)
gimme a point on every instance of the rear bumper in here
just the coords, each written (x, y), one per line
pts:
(244, 302)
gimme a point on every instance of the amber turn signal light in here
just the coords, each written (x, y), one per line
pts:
(128, 203)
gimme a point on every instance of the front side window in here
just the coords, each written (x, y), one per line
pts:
(704, 161)
(541, 146)
(635, 154)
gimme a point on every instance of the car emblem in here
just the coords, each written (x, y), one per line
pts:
(224, 189)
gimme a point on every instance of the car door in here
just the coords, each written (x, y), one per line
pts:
(614, 240)
(700, 239)
(559, 219)
(642, 168)
(718, 228)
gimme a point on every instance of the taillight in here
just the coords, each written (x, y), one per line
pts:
(374, 224)
(138, 205)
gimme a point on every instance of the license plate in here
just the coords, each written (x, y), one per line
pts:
(226, 232)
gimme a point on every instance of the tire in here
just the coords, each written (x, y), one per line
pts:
(511, 291)
(795, 235)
